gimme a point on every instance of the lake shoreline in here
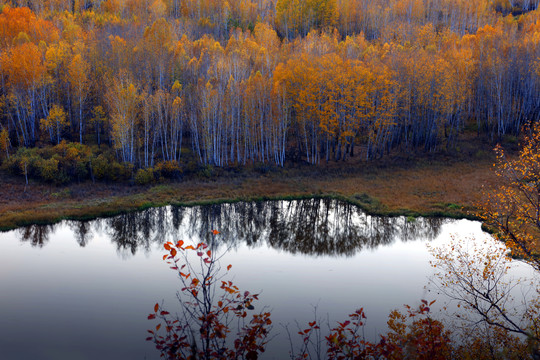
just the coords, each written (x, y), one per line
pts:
(439, 187)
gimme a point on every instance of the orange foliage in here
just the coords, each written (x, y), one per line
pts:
(513, 207)
(16, 21)
(368, 77)
(23, 65)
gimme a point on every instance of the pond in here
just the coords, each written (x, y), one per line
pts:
(83, 290)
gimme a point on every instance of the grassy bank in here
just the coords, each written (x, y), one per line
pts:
(430, 186)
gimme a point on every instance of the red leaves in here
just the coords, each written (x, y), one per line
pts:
(229, 288)
(422, 309)
(358, 314)
(332, 338)
(211, 320)
(206, 318)
(344, 324)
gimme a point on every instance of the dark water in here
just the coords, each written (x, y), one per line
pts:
(83, 290)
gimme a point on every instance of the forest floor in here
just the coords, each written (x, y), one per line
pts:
(439, 184)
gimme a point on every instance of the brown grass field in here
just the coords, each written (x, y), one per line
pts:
(430, 185)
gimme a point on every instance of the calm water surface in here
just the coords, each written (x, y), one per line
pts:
(83, 290)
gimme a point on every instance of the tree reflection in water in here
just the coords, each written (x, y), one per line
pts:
(36, 235)
(82, 231)
(313, 227)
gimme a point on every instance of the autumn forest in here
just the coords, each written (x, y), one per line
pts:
(343, 154)
(136, 88)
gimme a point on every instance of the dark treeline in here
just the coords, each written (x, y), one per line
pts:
(316, 227)
(169, 84)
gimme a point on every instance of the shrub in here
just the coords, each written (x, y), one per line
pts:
(101, 166)
(144, 176)
(74, 159)
(168, 169)
(48, 170)
(24, 162)
(209, 171)
(11, 165)
(105, 167)
(121, 171)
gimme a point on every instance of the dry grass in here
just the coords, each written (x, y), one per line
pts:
(400, 186)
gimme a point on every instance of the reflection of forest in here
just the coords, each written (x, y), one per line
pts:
(37, 235)
(312, 227)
